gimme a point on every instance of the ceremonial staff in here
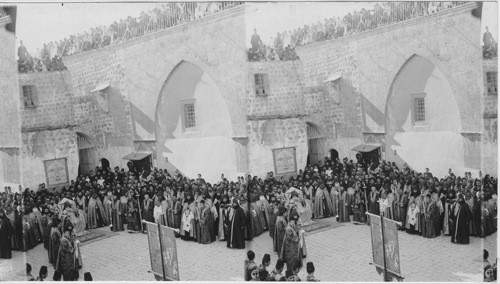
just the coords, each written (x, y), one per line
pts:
(140, 214)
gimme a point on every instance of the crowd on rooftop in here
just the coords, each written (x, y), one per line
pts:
(282, 46)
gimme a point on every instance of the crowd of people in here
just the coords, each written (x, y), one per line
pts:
(43, 273)
(236, 211)
(27, 63)
(49, 57)
(169, 15)
(283, 46)
(28, 219)
(254, 272)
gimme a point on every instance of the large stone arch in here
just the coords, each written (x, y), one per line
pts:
(435, 143)
(207, 149)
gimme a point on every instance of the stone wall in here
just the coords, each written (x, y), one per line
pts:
(53, 99)
(490, 124)
(46, 145)
(49, 128)
(370, 61)
(10, 123)
(124, 114)
(285, 96)
(266, 135)
(276, 120)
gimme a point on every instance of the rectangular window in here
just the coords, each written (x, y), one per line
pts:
(419, 109)
(29, 96)
(491, 81)
(189, 116)
(261, 84)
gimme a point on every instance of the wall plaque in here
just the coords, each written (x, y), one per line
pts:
(285, 161)
(56, 171)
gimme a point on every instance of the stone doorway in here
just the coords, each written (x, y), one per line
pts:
(86, 154)
(316, 143)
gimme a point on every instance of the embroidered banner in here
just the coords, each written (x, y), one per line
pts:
(391, 244)
(154, 248)
(167, 236)
(164, 239)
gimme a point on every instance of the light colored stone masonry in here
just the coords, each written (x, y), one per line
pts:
(123, 117)
(10, 118)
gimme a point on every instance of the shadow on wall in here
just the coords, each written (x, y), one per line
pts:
(120, 115)
(180, 85)
(432, 139)
(350, 123)
(370, 111)
(142, 120)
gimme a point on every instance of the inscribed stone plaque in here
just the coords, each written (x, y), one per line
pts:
(285, 161)
(56, 171)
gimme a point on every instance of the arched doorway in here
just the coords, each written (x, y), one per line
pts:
(334, 154)
(316, 142)
(423, 120)
(104, 164)
(86, 153)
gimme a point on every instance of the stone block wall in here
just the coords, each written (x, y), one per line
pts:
(53, 99)
(286, 89)
(49, 129)
(47, 145)
(265, 135)
(10, 118)
(490, 123)
(121, 116)
(369, 63)
(103, 115)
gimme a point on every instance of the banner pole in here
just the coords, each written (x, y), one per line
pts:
(140, 213)
(161, 252)
(382, 230)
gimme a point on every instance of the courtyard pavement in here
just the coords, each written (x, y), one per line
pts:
(340, 254)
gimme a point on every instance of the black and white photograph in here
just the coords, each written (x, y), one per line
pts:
(330, 141)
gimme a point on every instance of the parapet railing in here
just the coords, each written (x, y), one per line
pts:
(170, 15)
(381, 15)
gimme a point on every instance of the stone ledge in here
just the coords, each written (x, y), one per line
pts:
(274, 116)
(48, 128)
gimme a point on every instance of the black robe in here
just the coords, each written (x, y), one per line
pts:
(236, 230)
(460, 230)
(6, 232)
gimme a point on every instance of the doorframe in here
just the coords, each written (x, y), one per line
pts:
(90, 148)
(315, 132)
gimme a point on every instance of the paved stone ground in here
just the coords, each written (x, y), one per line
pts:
(340, 254)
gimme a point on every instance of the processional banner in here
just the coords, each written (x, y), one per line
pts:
(391, 244)
(167, 236)
(163, 238)
(154, 248)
